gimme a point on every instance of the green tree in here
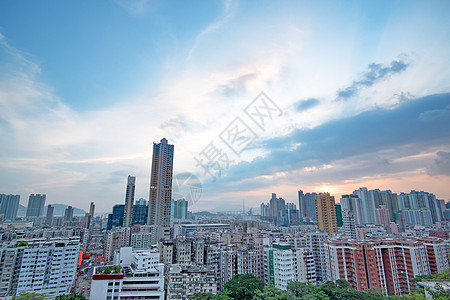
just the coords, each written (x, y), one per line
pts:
(116, 270)
(439, 293)
(243, 286)
(306, 291)
(71, 297)
(202, 296)
(445, 275)
(29, 296)
(209, 296)
(329, 287)
(222, 297)
(299, 289)
(342, 290)
(270, 292)
(418, 296)
(107, 270)
(343, 284)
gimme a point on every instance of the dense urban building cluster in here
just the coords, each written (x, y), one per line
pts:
(158, 249)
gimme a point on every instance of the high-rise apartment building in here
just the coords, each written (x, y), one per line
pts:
(36, 205)
(89, 217)
(348, 221)
(418, 217)
(161, 188)
(353, 203)
(180, 209)
(277, 206)
(307, 206)
(37, 266)
(315, 243)
(235, 260)
(284, 263)
(367, 206)
(387, 264)
(129, 201)
(264, 210)
(387, 198)
(68, 214)
(382, 215)
(115, 219)
(92, 209)
(304, 266)
(49, 217)
(116, 238)
(418, 201)
(326, 213)
(279, 264)
(9, 204)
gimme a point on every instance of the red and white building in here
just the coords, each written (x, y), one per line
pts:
(388, 264)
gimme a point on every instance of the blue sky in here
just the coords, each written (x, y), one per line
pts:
(86, 87)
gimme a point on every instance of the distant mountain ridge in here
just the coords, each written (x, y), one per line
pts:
(58, 211)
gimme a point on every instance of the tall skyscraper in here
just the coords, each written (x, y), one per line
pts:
(49, 217)
(307, 206)
(353, 203)
(277, 208)
(264, 210)
(348, 222)
(326, 213)
(9, 204)
(161, 188)
(129, 201)
(89, 217)
(314, 242)
(92, 209)
(115, 219)
(180, 209)
(366, 205)
(68, 213)
(36, 205)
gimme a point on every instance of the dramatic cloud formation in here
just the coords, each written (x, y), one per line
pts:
(376, 73)
(372, 142)
(83, 99)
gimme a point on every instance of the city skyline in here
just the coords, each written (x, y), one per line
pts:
(363, 89)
